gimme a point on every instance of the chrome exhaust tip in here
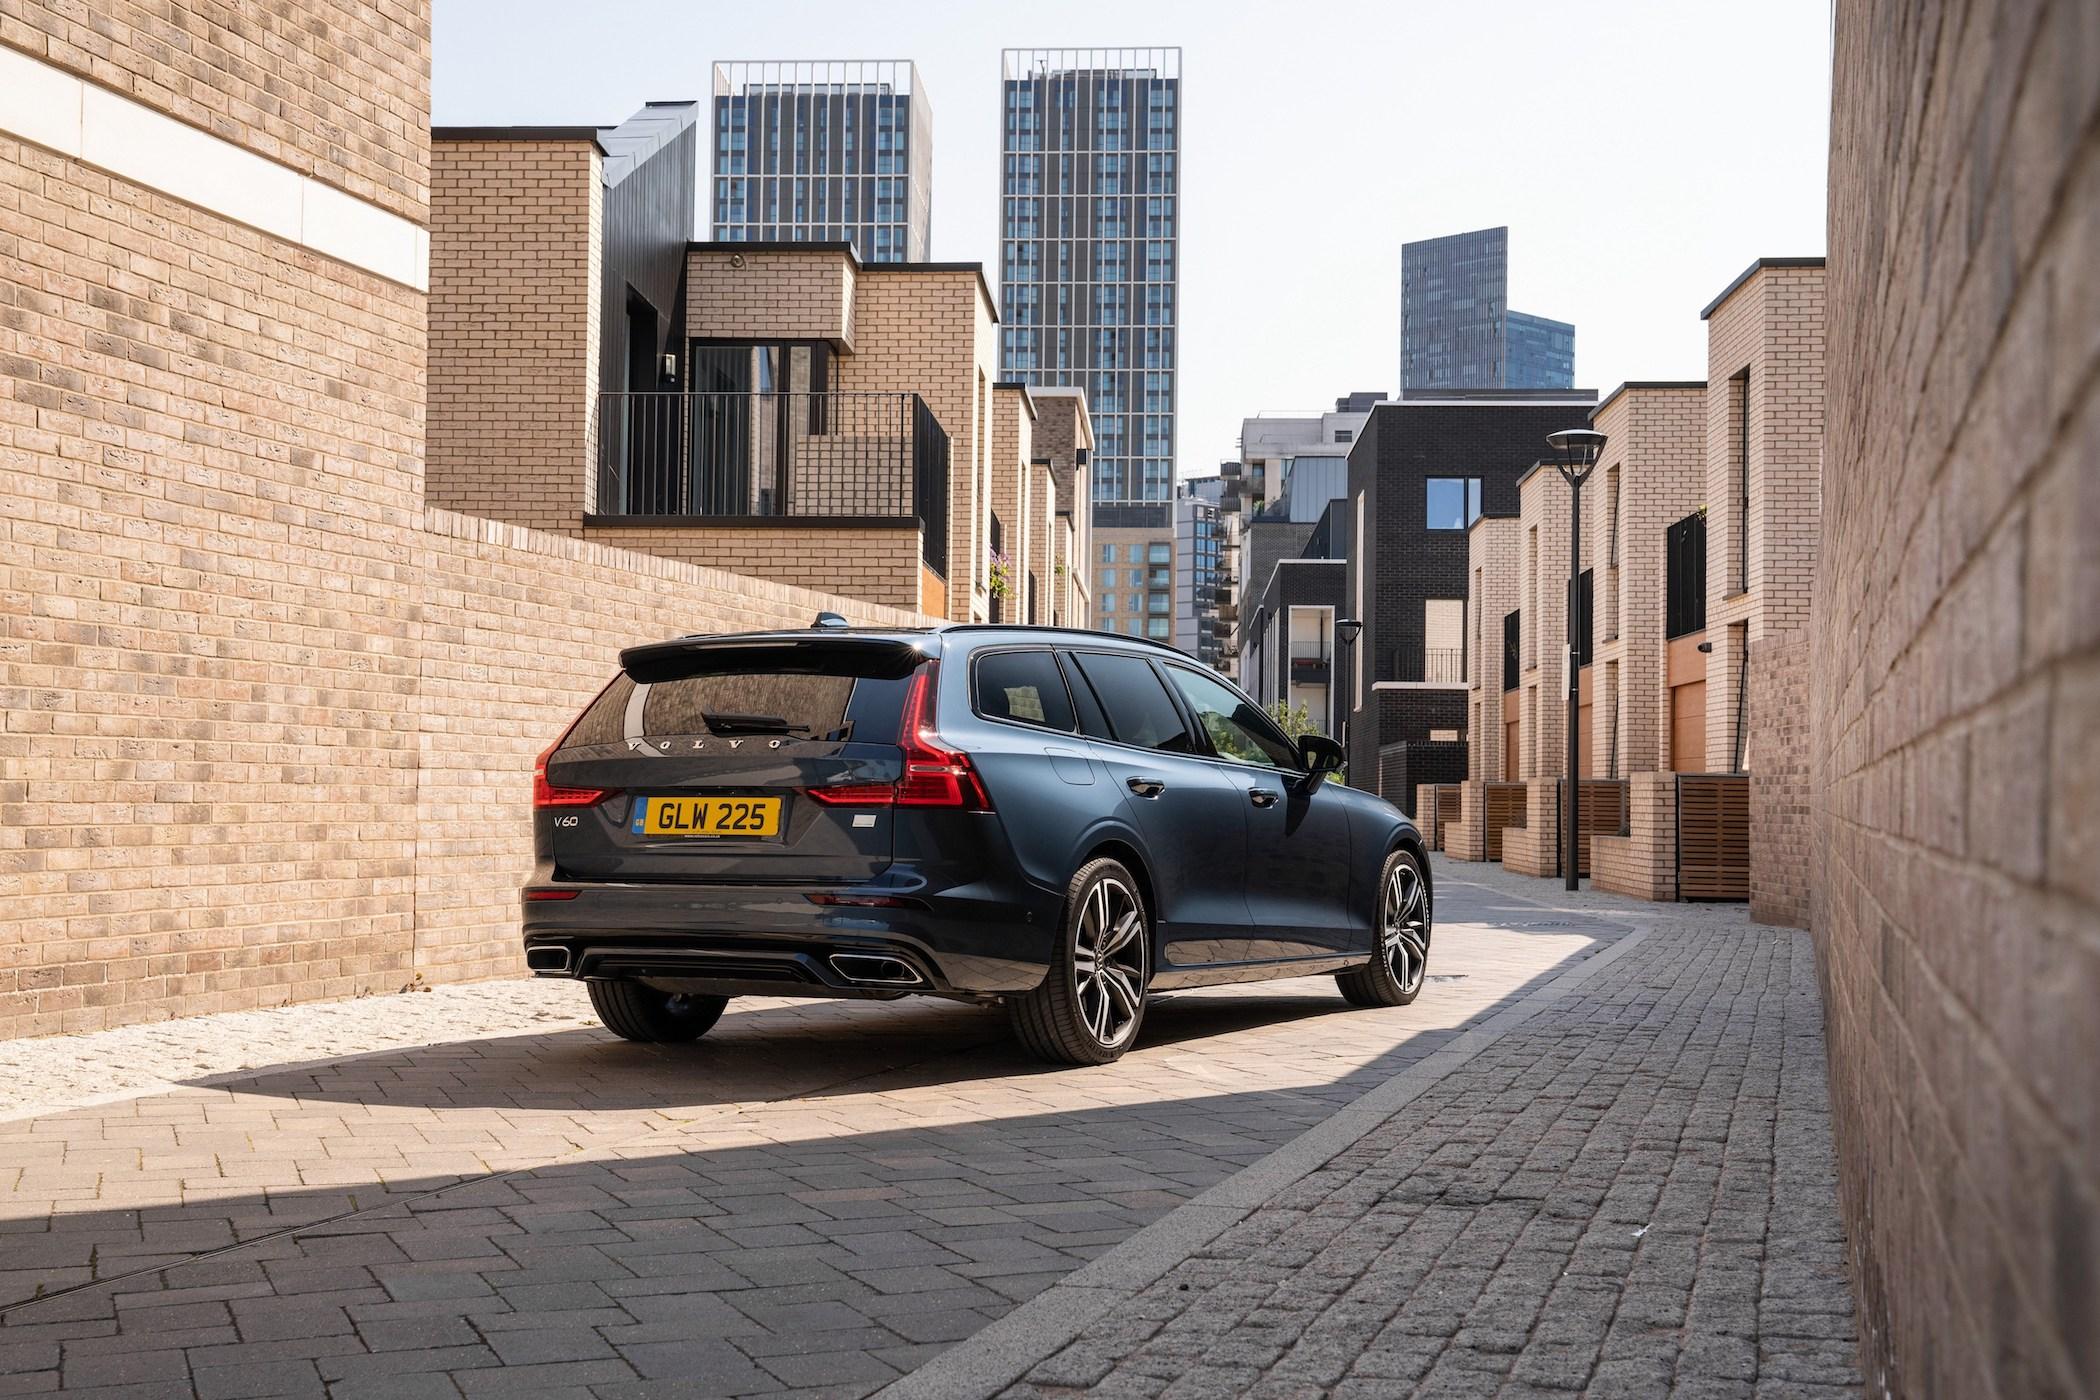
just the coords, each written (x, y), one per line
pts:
(876, 970)
(550, 958)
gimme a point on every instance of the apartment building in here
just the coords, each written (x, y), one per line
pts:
(783, 410)
(1294, 600)
(1064, 440)
(1700, 527)
(1421, 472)
(825, 152)
(1649, 480)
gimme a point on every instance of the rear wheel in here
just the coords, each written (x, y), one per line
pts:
(635, 1012)
(1394, 976)
(1088, 1010)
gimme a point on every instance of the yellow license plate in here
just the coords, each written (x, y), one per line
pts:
(707, 816)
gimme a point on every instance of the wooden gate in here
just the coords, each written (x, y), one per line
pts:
(1603, 812)
(1506, 806)
(1713, 836)
(1446, 810)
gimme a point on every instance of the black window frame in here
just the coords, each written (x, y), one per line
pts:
(980, 654)
(1469, 503)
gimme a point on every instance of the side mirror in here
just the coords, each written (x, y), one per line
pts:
(1321, 754)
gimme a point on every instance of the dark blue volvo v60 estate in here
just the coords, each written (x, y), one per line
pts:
(1060, 820)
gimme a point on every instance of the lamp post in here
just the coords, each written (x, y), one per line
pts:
(1346, 631)
(1577, 449)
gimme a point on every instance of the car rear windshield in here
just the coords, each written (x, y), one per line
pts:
(836, 694)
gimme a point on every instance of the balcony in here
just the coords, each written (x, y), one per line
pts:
(1310, 670)
(1412, 663)
(774, 456)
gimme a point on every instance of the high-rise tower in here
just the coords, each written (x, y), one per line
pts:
(823, 152)
(1090, 225)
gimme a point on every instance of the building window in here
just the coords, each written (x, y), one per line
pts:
(1739, 410)
(1108, 554)
(1684, 576)
(1159, 552)
(1453, 502)
(1157, 628)
(1158, 603)
(1345, 435)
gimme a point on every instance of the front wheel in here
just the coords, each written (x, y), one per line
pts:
(1394, 976)
(1087, 1011)
(632, 1011)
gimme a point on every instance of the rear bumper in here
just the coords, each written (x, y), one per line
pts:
(773, 940)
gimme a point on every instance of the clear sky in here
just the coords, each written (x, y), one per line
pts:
(1642, 152)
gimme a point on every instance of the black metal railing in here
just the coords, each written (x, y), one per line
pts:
(775, 454)
(1412, 660)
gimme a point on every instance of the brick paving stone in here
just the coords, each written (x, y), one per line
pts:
(476, 1191)
(1597, 1202)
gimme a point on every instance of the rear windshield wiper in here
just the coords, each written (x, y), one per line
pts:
(751, 724)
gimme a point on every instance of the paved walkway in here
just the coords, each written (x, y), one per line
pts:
(1623, 1186)
(473, 1191)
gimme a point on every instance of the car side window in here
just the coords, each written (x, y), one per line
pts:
(1139, 709)
(1236, 729)
(1022, 686)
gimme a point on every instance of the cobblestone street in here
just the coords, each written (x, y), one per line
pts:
(476, 1191)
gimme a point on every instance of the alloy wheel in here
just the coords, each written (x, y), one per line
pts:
(1404, 926)
(1108, 962)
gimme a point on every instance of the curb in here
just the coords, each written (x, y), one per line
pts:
(1003, 1352)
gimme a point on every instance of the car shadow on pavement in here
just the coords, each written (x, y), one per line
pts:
(499, 1178)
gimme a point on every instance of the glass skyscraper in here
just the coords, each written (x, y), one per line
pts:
(1541, 353)
(1456, 328)
(824, 152)
(1090, 224)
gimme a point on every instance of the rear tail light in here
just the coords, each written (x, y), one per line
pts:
(935, 775)
(545, 794)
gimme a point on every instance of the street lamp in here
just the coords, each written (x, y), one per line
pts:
(1346, 631)
(1577, 449)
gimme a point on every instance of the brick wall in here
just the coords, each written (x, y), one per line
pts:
(1494, 579)
(931, 331)
(1643, 862)
(1655, 455)
(1772, 326)
(876, 563)
(335, 89)
(1956, 691)
(1534, 848)
(1780, 824)
(251, 683)
(1542, 573)
(514, 291)
(753, 294)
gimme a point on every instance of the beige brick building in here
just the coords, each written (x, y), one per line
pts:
(1699, 544)
(776, 409)
(1954, 702)
(270, 710)
(1064, 441)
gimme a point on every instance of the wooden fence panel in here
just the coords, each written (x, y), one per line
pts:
(1713, 836)
(1506, 806)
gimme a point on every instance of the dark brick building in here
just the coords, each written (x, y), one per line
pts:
(1420, 472)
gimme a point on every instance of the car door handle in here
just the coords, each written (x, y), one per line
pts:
(1262, 797)
(1145, 787)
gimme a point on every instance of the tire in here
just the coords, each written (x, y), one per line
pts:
(1089, 1009)
(1394, 976)
(632, 1011)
